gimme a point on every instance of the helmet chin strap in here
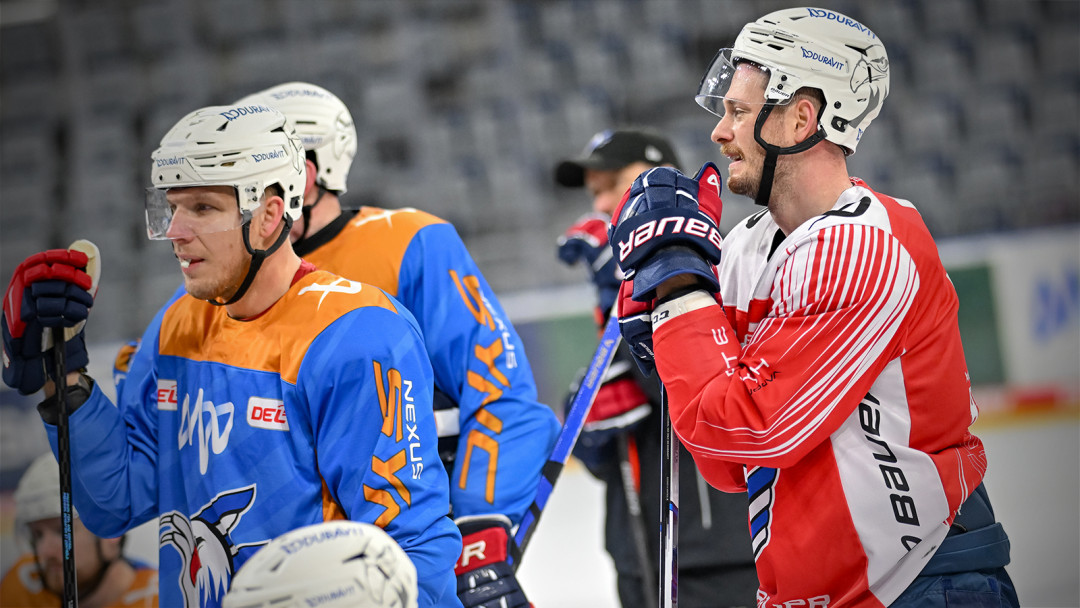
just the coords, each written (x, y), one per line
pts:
(257, 258)
(768, 168)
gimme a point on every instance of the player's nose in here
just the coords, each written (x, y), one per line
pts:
(722, 131)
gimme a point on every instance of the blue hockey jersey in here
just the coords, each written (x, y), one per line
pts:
(495, 434)
(242, 430)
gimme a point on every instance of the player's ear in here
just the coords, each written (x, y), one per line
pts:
(805, 118)
(271, 214)
(309, 177)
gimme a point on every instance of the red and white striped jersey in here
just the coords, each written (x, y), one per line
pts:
(832, 387)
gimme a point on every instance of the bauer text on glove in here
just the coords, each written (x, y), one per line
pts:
(667, 226)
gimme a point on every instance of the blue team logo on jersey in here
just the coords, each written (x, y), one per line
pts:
(760, 482)
(206, 550)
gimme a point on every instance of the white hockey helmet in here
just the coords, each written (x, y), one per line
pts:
(37, 495)
(809, 47)
(341, 563)
(248, 147)
(323, 123)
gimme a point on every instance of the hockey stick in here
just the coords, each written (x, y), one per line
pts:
(669, 519)
(63, 449)
(633, 507)
(575, 419)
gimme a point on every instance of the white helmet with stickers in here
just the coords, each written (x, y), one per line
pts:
(323, 123)
(37, 495)
(332, 564)
(809, 47)
(248, 147)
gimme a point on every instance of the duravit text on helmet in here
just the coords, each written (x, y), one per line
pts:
(824, 14)
(279, 95)
(171, 161)
(268, 155)
(832, 62)
(235, 113)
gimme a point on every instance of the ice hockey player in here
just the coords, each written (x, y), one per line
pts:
(819, 367)
(494, 435)
(277, 395)
(105, 578)
(623, 428)
(334, 564)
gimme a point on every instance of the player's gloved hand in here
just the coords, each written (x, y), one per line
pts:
(52, 289)
(620, 406)
(667, 226)
(635, 325)
(586, 241)
(484, 578)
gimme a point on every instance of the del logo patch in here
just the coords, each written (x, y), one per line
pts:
(269, 414)
(166, 395)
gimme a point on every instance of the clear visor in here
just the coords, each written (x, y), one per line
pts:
(721, 82)
(188, 216)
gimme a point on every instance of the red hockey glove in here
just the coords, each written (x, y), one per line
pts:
(620, 406)
(587, 241)
(484, 578)
(667, 226)
(52, 289)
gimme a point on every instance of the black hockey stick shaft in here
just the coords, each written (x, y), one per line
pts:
(637, 518)
(669, 504)
(564, 444)
(63, 449)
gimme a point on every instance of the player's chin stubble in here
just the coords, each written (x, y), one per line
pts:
(221, 287)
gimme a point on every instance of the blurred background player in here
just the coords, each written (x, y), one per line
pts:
(105, 578)
(816, 364)
(716, 564)
(335, 564)
(276, 396)
(494, 435)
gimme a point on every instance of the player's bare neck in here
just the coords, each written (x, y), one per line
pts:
(807, 190)
(118, 578)
(327, 210)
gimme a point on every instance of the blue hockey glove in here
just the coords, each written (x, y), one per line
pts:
(484, 578)
(586, 241)
(52, 289)
(667, 226)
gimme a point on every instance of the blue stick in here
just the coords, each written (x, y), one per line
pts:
(575, 419)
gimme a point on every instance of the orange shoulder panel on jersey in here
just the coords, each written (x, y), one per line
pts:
(22, 586)
(143, 592)
(275, 341)
(387, 232)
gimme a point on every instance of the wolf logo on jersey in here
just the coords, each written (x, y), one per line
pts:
(204, 545)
